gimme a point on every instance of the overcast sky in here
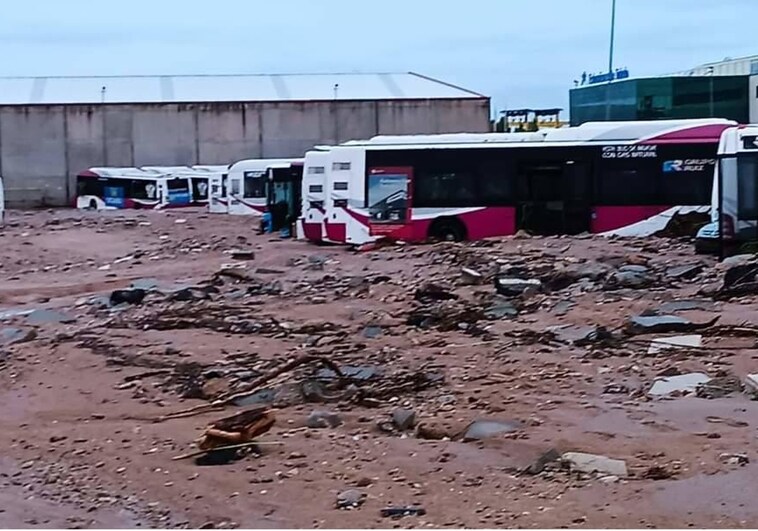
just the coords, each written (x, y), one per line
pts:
(519, 52)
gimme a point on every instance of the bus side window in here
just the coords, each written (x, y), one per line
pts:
(444, 189)
(495, 187)
(626, 187)
(255, 185)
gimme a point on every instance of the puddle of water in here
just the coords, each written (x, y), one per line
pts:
(42, 316)
(9, 335)
(144, 283)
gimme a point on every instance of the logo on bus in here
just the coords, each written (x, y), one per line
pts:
(688, 165)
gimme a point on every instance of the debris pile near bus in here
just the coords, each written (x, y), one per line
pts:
(580, 378)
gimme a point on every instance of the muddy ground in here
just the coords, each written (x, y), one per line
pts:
(87, 386)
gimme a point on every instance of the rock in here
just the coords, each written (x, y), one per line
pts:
(590, 463)
(399, 512)
(591, 270)
(363, 482)
(684, 383)
(563, 307)
(323, 419)
(500, 308)
(538, 466)
(127, 296)
(656, 472)
(483, 429)
(471, 277)
(430, 292)
(685, 271)
(350, 499)
(351, 372)
(239, 254)
(662, 324)
(685, 305)
(608, 480)
(372, 331)
(718, 387)
(751, 384)
(734, 459)
(629, 279)
(674, 342)
(404, 419)
(579, 335)
(634, 268)
(513, 287)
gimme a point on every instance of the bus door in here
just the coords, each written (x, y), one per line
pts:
(284, 199)
(217, 200)
(389, 199)
(577, 189)
(554, 197)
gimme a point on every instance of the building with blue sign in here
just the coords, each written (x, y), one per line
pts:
(728, 89)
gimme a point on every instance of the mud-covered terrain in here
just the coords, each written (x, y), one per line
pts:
(454, 384)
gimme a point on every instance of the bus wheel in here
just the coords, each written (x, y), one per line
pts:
(448, 230)
(92, 204)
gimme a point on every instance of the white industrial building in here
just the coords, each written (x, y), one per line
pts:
(53, 127)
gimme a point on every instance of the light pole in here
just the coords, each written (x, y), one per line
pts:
(710, 74)
(610, 62)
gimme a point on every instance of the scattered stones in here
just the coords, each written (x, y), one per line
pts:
(484, 429)
(323, 419)
(589, 463)
(404, 419)
(682, 384)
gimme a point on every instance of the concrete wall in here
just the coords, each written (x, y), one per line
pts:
(43, 147)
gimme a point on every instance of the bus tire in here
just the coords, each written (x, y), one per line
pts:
(92, 204)
(447, 229)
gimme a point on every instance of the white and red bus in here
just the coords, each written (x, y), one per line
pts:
(315, 170)
(734, 209)
(611, 177)
(247, 184)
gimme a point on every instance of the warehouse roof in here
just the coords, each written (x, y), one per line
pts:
(207, 88)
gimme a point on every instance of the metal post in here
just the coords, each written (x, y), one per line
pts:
(610, 62)
(711, 93)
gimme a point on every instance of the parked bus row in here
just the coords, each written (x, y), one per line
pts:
(625, 178)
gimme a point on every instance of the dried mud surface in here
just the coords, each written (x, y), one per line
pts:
(84, 386)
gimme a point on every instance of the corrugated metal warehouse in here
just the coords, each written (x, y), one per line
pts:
(53, 127)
